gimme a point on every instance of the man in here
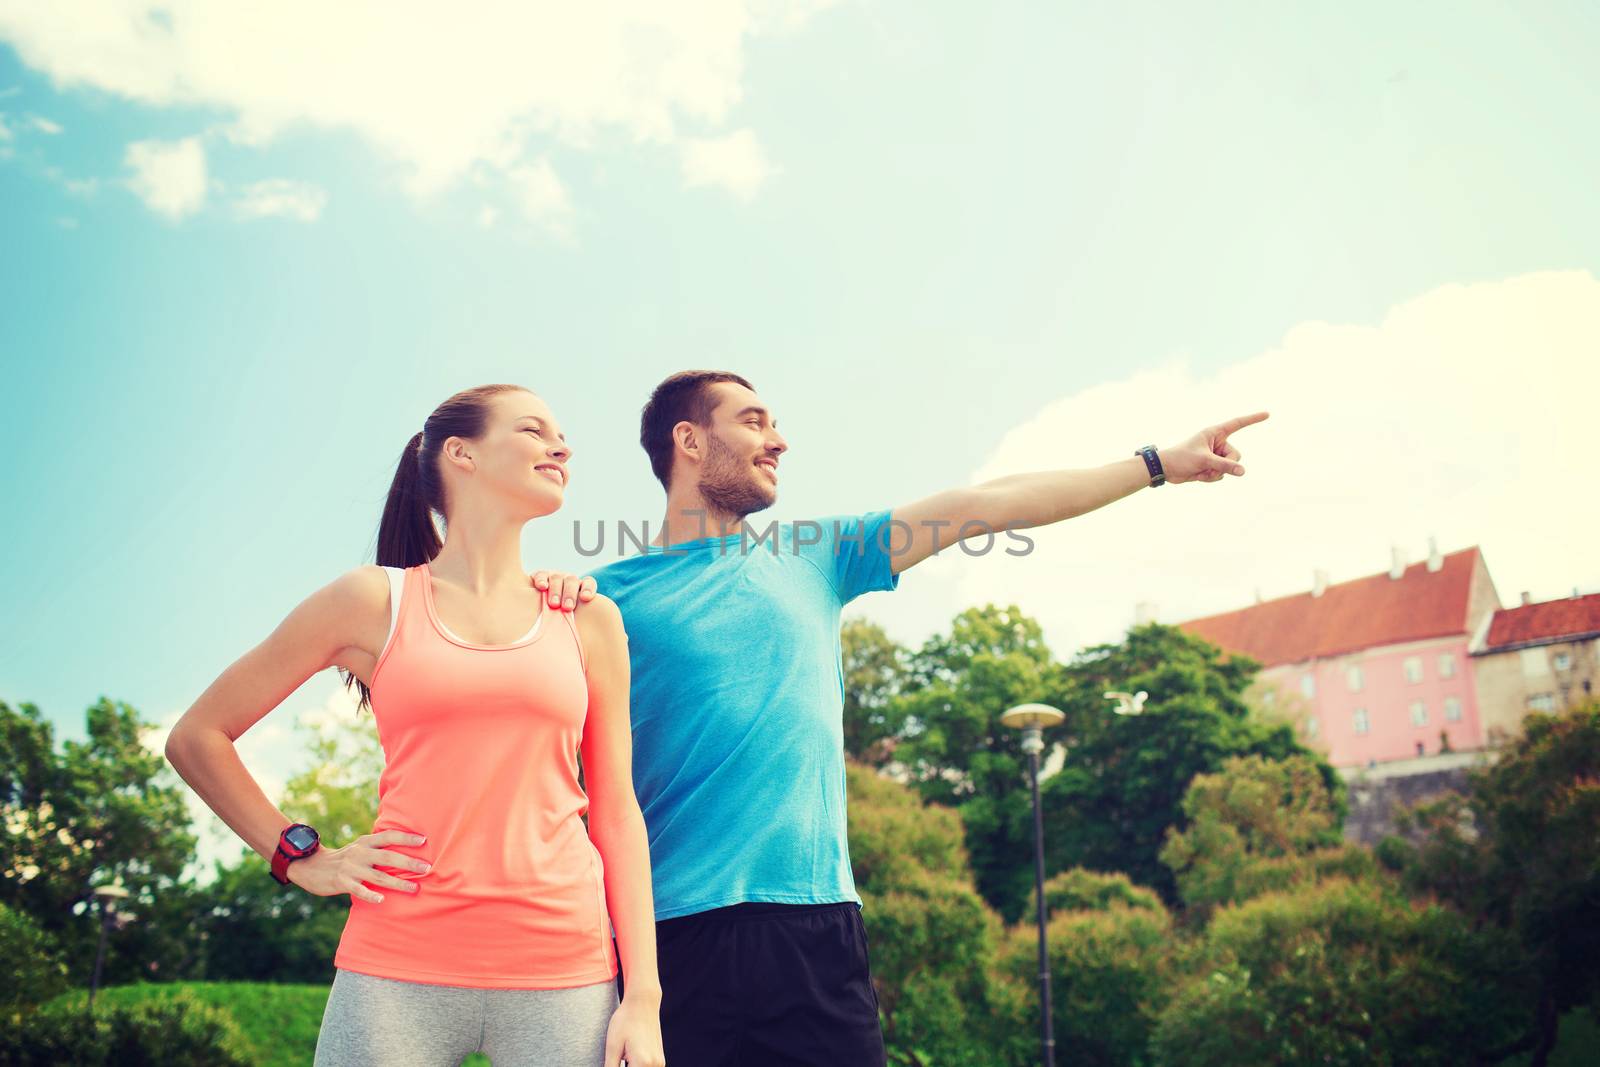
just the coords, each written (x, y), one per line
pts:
(737, 711)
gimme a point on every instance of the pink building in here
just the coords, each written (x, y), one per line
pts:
(1374, 669)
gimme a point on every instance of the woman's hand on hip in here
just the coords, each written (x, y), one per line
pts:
(328, 872)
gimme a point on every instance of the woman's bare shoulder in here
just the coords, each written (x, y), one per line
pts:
(358, 592)
(600, 617)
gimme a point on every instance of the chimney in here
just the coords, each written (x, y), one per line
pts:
(1435, 561)
(1526, 600)
(1319, 582)
(1144, 612)
(1258, 594)
(1397, 562)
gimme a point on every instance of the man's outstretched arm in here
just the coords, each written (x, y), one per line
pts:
(1039, 498)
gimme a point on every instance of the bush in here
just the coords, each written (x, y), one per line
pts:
(1255, 826)
(1107, 979)
(33, 969)
(1343, 973)
(175, 1031)
(1078, 889)
(931, 938)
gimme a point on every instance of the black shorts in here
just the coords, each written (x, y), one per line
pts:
(768, 984)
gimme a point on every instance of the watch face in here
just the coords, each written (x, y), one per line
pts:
(301, 838)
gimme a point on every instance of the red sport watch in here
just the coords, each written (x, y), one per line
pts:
(295, 843)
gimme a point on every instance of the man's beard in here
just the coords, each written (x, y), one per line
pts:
(728, 485)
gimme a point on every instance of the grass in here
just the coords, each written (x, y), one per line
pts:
(280, 1021)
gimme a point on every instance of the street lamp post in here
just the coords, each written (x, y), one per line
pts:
(1031, 719)
(106, 893)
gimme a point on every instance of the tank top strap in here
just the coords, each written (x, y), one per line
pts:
(572, 623)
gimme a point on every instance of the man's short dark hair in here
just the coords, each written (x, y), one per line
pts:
(686, 396)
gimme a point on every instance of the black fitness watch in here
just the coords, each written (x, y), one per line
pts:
(1152, 462)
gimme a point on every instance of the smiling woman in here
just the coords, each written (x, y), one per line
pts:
(482, 905)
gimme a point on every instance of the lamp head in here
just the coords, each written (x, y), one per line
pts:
(1031, 716)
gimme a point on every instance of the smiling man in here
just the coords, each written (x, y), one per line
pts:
(738, 703)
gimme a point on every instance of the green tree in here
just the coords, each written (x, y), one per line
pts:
(1258, 824)
(932, 939)
(1520, 852)
(957, 753)
(249, 927)
(338, 791)
(94, 812)
(1124, 777)
(1077, 889)
(874, 671)
(1108, 972)
(32, 971)
(1342, 972)
(958, 684)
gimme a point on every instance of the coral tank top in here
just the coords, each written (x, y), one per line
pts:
(480, 747)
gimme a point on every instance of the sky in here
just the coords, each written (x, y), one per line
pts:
(248, 249)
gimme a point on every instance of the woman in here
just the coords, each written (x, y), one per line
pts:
(480, 912)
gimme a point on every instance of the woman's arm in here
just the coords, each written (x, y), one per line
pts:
(615, 822)
(342, 624)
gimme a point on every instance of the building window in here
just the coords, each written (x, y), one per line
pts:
(1452, 708)
(1311, 726)
(1535, 662)
(1363, 724)
(1413, 669)
(1419, 713)
(1542, 702)
(1563, 661)
(1447, 666)
(1308, 686)
(1355, 679)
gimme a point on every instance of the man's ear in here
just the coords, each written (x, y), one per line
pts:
(687, 437)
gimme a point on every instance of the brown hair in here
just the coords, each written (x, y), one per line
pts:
(407, 535)
(686, 396)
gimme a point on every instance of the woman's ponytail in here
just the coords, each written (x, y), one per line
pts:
(407, 534)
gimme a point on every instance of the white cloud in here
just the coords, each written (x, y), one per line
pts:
(439, 91)
(5, 131)
(734, 162)
(541, 197)
(169, 176)
(44, 125)
(487, 216)
(1464, 415)
(280, 198)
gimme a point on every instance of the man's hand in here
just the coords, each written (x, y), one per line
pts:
(566, 589)
(1207, 456)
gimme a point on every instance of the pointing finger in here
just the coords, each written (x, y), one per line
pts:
(1241, 422)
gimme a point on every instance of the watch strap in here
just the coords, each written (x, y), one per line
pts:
(1152, 463)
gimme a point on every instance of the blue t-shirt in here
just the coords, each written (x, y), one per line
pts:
(737, 705)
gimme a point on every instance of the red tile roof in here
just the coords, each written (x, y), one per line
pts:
(1533, 624)
(1362, 613)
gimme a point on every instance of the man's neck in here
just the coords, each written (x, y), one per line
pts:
(689, 518)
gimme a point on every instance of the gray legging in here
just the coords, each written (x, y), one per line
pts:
(385, 1021)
